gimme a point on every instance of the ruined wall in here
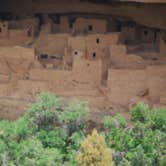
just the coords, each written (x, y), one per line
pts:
(124, 84)
(17, 32)
(31, 25)
(15, 37)
(52, 44)
(64, 25)
(21, 76)
(77, 42)
(65, 65)
(137, 34)
(90, 45)
(129, 34)
(97, 42)
(84, 60)
(121, 59)
(83, 25)
(147, 35)
(80, 81)
(162, 44)
(156, 83)
(4, 29)
(15, 61)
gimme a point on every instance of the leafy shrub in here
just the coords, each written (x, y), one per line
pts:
(55, 138)
(140, 113)
(3, 153)
(71, 159)
(49, 134)
(143, 142)
(114, 122)
(42, 114)
(163, 161)
(76, 111)
(31, 152)
(139, 157)
(124, 162)
(76, 139)
(46, 135)
(158, 120)
(94, 151)
(74, 117)
(51, 157)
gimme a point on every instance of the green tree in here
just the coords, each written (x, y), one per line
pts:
(94, 152)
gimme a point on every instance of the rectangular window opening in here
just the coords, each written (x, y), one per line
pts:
(90, 28)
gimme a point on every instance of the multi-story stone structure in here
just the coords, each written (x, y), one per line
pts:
(109, 54)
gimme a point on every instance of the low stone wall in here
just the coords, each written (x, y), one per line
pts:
(125, 84)
(125, 76)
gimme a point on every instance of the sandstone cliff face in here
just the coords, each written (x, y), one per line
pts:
(149, 14)
(113, 75)
(108, 61)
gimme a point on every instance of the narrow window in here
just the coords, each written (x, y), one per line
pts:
(97, 40)
(43, 56)
(145, 32)
(94, 55)
(29, 33)
(71, 25)
(53, 57)
(154, 59)
(90, 28)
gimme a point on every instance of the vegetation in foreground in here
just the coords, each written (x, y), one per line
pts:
(50, 134)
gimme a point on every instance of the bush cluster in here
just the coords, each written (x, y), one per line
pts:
(46, 135)
(50, 134)
(141, 143)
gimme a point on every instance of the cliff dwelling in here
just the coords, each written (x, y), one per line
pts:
(110, 53)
